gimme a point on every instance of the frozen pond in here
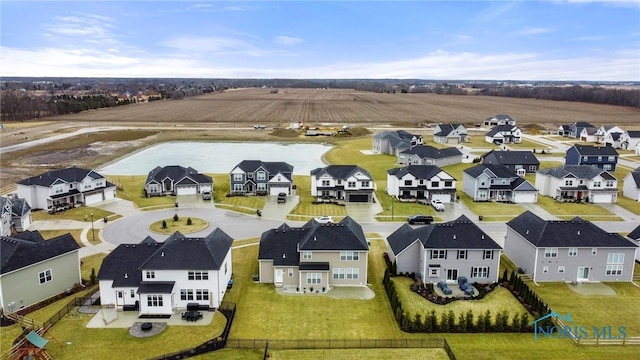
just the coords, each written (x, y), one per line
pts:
(217, 157)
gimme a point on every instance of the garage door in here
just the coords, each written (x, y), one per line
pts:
(186, 190)
(277, 190)
(359, 198)
(108, 195)
(93, 198)
(601, 198)
(525, 197)
(445, 198)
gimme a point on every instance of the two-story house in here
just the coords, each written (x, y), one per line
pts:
(16, 215)
(349, 183)
(500, 119)
(65, 188)
(631, 141)
(255, 177)
(603, 131)
(631, 185)
(445, 252)
(157, 278)
(578, 183)
(521, 162)
(634, 235)
(314, 257)
(504, 134)
(603, 157)
(6, 217)
(575, 129)
(568, 250)
(429, 155)
(563, 130)
(589, 135)
(450, 134)
(176, 180)
(421, 182)
(33, 269)
(394, 142)
(488, 182)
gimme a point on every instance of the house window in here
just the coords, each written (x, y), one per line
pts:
(338, 273)
(353, 273)
(585, 158)
(186, 294)
(198, 275)
(349, 256)
(480, 272)
(154, 300)
(421, 182)
(238, 187)
(434, 272)
(351, 184)
(290, 272)
(365, 184)
(435, 184)
(545, 269)
(532, 168)
(488, 254)
(249, 175)
(594, 251)
(573, 251)
(599, 158)
(597, 184)
(44, 276)
(261, 186)
(611, 158)
(325, 183)
(314, 278)
(606, 167)
(237, 177)
(202, 294)
(339, 181)
(550, 252)
(132, 293)
(150, 274)
(462, 254)
(325, 193)
(568, 182)
(306, 255)
(615, 258)
(609, 183)
(614, 270)
(448, 183)
(438, 254)
(560, 269)
(261, 175)
(408, 182)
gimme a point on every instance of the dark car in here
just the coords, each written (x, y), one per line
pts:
(426, 219)
(282, 197)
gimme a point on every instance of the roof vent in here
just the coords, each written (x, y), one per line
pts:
(276, 230)
(315, 238)
(482, 236)
(578, 232)
(527, 231)
(284, 256)
(126, 276)
(162, 253)
(134, 245)
(454, 236)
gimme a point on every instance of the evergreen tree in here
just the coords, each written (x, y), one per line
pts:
(462, 323)
(469, 317)
(504, 275)
(451, 319)
(487, 320)
(515, 323)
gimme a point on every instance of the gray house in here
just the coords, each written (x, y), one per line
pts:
(394, 142)
(568, 250)
(429, 155)
(450, 134)
(488, 182)
(445, 252)
(256, 177)
(635, 236)
(500, 119)
(33, 269)
(176, 180)
(520, 162)
(348, 183)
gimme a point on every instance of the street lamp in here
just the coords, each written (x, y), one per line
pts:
(93, 234)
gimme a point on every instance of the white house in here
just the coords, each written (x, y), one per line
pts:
(421, 182)
(578, 183)
(504, 134)
(500, 119)
(450, 134)
(631, 141)
(631, 186)
(602, 132)
(488, 182)
(589, 134)
(349, 183)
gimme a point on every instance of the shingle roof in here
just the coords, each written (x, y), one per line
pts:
(430, 152)
(615, 136)
(176, 173)
(635, 234)
(595, 150)
(582, 124)
(499, 171)
(578, 171)
(446, 129)
(501, 128)
(418, 171)
(633, 133)
(122, 263)
(273, 167)
(339, 171)
(591, 131)
(635, 174)
(510, 158)
(72, 174)
(461, 233)
(500, 117)
(564, 233)
(399, 134)
(29, 248)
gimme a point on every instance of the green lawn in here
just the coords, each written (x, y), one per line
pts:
(347, 152)
(50, 234)
(568, 211)
(369, 354)
(306, 209)
(245, 204)
(181, 225)
(82, 213)
(528, 144)
(628, 204)
(491, 211)
(400, 210)
(131, 187)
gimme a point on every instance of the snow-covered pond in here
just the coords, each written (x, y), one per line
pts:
(217, 157)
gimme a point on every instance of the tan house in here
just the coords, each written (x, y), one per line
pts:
(315, 257)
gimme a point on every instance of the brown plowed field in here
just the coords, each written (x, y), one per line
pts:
(314, 106)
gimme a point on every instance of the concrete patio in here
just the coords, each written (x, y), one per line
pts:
(335, 292)
(109, 318)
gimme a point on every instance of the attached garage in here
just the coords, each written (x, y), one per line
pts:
(600, 198)
(109, 194)
(525, 197)
(358, 198)
(445, 198)
(186, 190)
(93, 198)
(275, 190)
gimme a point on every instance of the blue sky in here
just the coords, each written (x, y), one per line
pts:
(446, 40)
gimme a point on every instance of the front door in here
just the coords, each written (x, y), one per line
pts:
(452, 275)
(583, 273)
(279, 276)
(119, 298)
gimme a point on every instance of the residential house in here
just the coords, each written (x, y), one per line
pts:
(314, 257)
(429, 155)
(33, 269)
(575, 129)
(155, 278)
(176, 180)
(499, 119)
(589, 134)
(394, 142)
(631, 141)
(504, 134)
(421, 182)
(631, 185)
(16, 215)
(450, 134)
(564, 130)
(349, 183)
(6, 216)
(446, 252)
(578, 183)
(616, 139)
(65, 188)
(489, 182)
(255, 177)
(603, 157)
(634, 235)
(604, 130)
(520, 162)
(568, 250)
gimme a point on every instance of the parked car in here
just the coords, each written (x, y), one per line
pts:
(419, 218)
(282, 198)
(324, 219)
(206, 195)
(437, 204)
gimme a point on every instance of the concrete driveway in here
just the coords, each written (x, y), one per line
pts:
(279, 211)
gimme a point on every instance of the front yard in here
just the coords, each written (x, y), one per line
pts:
(568, 211)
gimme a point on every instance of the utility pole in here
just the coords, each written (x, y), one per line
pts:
(93, 234)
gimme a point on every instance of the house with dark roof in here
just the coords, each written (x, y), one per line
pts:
(176, 180)
(429, 155)
(608, 135)
(631, 141)
(603, 157)
(155, 278)
(634, 235)
(589, 134)
(576, 128)
(314, 257)
(450, 134)
(256, 177)
(578, 183)
(6, 218)
(394, 142)
(16, 215)
(563, 130)
(500, 119)
(504, 134)
(65, 188)
(520, 162)
(417, 182)
(446, 252)
(33, 269)
(348, 183)
(568, 250)
(631, 186)
(489, 182)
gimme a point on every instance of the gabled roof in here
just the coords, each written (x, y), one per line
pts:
(398, 135)
(498, 171)
(565, 233)
(177, 173)
(29, 247)
(418, 171)
(635, 234)
(121, 265)
(635, 175)
(633, 133)
(6, 205)
(521, 184)
(424, 151)
(510, 158)
(446, 129)
(615, 136)
(339, 171)
(595, 150)
(578, 171)
(72, 174)
(20, 207)
(581, 124)
(565, 127)
(272, 167)
(501, 117)
(501, 128)
(461, 233)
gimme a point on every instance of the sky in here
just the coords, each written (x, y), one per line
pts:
(593, 40)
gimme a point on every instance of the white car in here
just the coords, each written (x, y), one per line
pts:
(437, 204)
(324, 219)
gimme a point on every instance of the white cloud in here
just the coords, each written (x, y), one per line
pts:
(72, 29)
(534, 31)
(287, 40)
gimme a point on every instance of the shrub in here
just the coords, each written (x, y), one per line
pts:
(175, 217)
(462, 322)
(93, 276)
(189, 222)
(515, 323)
(164, 224)
(501, 321)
